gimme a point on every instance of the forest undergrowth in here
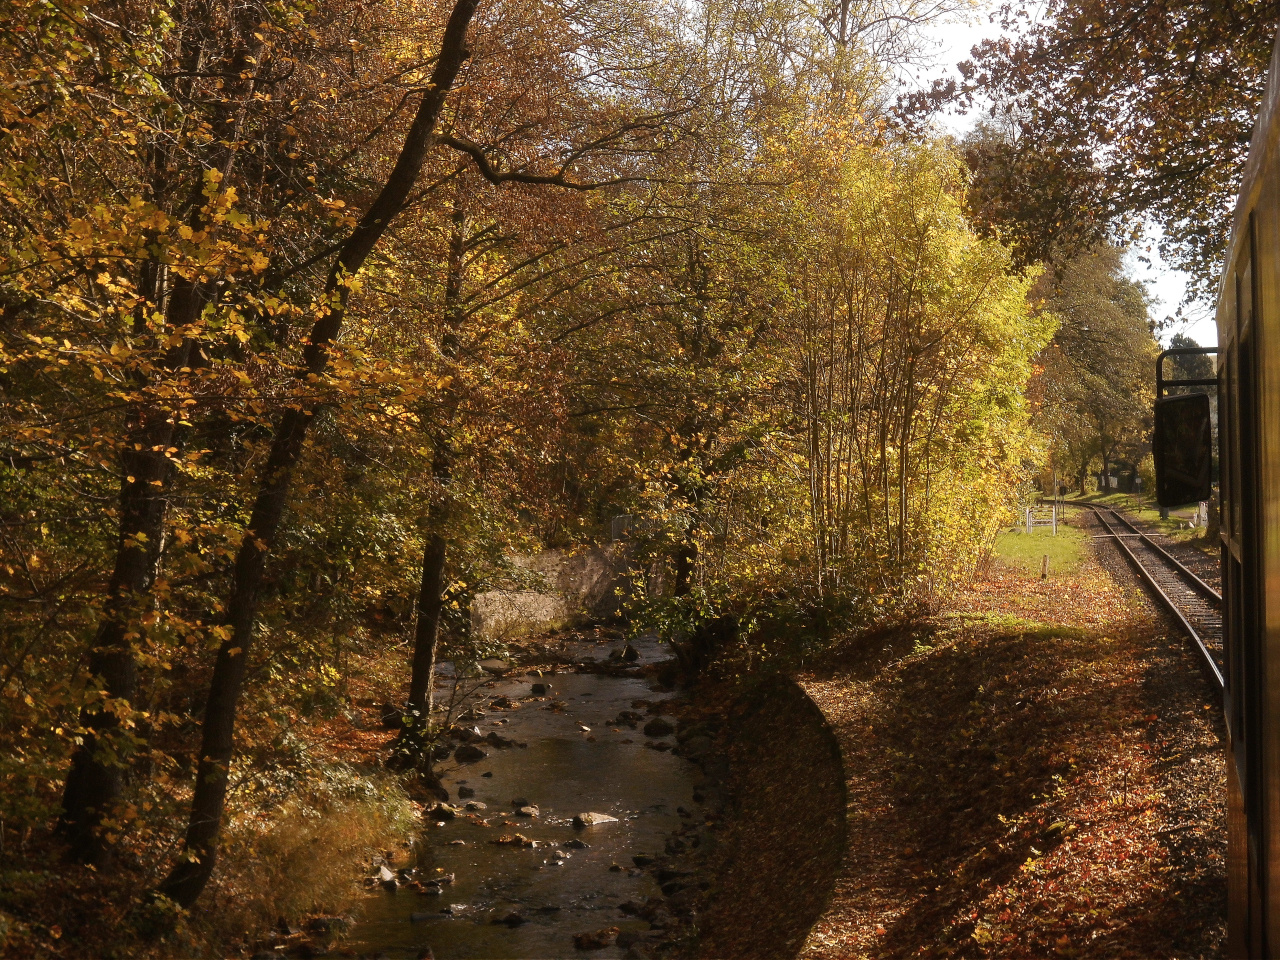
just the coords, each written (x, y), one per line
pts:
(1036, 773)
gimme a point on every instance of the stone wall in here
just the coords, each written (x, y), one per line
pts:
(571, 587)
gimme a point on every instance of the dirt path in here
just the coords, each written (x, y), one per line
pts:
(1037, 774)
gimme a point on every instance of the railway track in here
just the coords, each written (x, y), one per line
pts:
(1193, 603)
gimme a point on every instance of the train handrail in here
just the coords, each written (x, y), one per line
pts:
(1161, 382)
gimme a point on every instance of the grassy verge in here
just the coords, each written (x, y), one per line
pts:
(1026, 551)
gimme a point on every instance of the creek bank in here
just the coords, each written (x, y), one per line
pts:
(766, 840)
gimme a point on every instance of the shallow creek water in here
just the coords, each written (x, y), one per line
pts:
(564, 772)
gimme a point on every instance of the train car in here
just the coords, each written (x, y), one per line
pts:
(1248, 385)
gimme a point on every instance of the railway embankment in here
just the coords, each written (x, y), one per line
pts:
(1038, 772)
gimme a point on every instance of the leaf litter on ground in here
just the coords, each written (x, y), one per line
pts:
(1039, 772)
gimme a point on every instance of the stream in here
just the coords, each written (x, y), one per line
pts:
(570, 882)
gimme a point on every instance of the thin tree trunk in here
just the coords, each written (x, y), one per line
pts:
(94, 782)
(195, 865)
(426, 634)
(686, 558)
(95, 779)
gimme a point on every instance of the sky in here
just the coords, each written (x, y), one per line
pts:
(1164, 284)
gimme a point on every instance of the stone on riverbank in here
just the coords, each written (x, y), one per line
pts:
(387, 879)
(659, 727)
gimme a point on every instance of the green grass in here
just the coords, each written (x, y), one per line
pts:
(1025, 551)
(1145, 509)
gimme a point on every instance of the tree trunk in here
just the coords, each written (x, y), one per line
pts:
(195, 865)
(94, 782)
(426, 632)
(95, 778)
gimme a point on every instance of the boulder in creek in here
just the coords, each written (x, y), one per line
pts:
(494, 666)
(502, 703)
(514, 919)
(466, 792)
(467, 753)
(513, 840)
(596, 939)
(444, 811)
(527, 810)
(630, 654)
(659, 727)
(387, 879)
(539, 690)
(642, 860)
(576, 844)
(592, 819)
(475, 805)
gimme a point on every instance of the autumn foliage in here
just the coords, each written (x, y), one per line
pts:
(312, 314)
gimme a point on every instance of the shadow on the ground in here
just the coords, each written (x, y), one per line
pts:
(980, 735)
(784, 840)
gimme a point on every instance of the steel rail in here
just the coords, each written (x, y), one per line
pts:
(1214, 671)
(1173, 561)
